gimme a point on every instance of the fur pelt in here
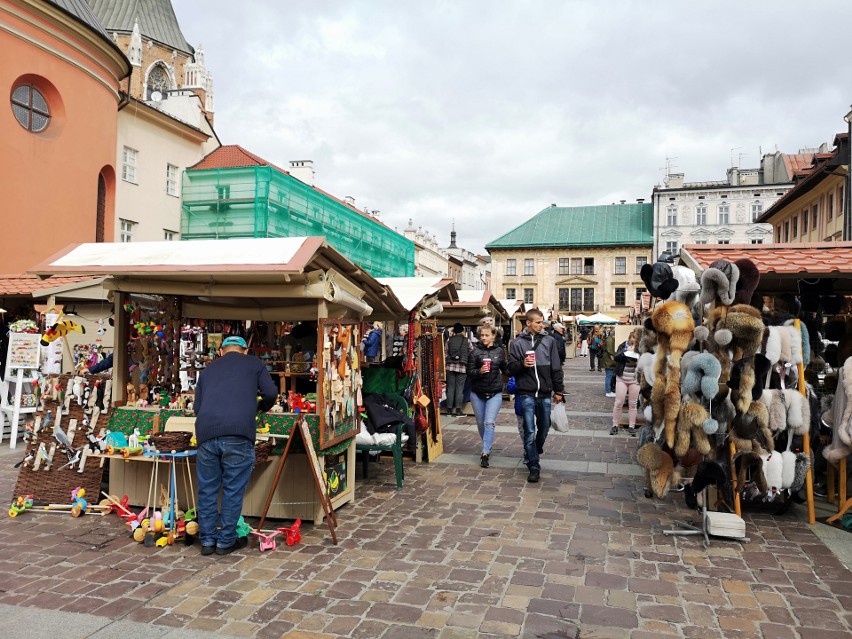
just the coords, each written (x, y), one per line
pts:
(786, 346)
(747, 282)
(674, 325)
(795, 344)
(788, 463)
(751, 429)
(690, 429)
(841, 417)
(719, 281)
(798, 411)
(645, 367)
(722, 409)
(688, 356)
(772, 344)
(708, 474)
(749, 468)
(659, 469)
(702, 376)
(773, 471)
(688, 289)
(773, 399)
(803, 464)
(748, 377)
(648, 340)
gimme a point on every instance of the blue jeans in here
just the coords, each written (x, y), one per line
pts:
(609, 381)
(536, 411)
(486, 416)
(222, 463)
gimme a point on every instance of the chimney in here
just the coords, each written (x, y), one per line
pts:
(674, 181)
(640, 200)
(622, 201)
(349, 200)
(375, 214)
(553, 205)
(303, 170)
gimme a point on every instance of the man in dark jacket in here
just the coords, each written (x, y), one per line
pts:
(559, 335)
(226, 403)
(608, 361)
(534, 362)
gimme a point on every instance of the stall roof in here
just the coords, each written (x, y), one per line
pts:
(513, 306)
(242, 276)
(28, 284)
(413, 291)
(780, 265)
(473, 305)
(598, 318)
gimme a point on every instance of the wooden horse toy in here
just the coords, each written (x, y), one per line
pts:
(266, 541)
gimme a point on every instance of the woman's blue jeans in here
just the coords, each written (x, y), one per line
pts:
(536, 411)
(486, 416)
(222, 463)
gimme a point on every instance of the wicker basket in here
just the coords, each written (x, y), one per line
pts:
(173, 440)
(262, 451)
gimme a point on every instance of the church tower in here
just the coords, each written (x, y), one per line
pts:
(165, 65)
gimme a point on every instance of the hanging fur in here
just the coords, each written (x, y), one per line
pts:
(749, 470)
(788, 463)
(786, 354)
(719, 281)
(688, 289)
(659, 470)
(795, 344)
(674, 325)
(776, 406)
(702, 376)
(772, 344)
(690, 429)
(708, 474)
(645, 367)
(803, 464)
(772, 474)
(747, 282)
(798, 411)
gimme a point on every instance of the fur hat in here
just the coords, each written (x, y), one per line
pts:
(709, 473)
(690, 429)
(702, 376)
(773, 472)
(748, 378)
(659, 470)
(674, 325)
(719, 281)
(749, 466)
(659, 279)
(688, 289)
(748, 281)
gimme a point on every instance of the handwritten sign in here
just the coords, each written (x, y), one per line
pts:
(24, 350)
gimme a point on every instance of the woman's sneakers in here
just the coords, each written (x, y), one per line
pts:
(632, 431)
(483, 460)
(613, 430)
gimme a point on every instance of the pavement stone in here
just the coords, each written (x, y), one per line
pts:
(460, 552)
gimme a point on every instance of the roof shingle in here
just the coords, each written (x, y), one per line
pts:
(782, 259)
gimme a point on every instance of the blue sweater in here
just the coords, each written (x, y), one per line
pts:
(226, 397)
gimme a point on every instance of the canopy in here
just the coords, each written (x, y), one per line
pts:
(597, 318)
(472, 306)
(414, 291)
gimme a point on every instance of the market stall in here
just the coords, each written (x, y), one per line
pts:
(173, 303)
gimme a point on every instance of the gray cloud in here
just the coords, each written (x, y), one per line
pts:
(484, 113)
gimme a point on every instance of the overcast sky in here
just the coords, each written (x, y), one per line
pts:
(485, 112)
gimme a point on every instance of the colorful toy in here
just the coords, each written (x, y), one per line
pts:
(79, 505)
(22, 503)
(266, 541)
(60, 329)
(293, 533)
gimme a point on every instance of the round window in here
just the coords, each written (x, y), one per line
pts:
(30, 108)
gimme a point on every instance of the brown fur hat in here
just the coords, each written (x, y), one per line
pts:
(748, 281)
(674, 325)
(690, 429)
(749, 467)
(659, 469)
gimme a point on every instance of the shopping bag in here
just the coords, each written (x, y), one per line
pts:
(558, 418)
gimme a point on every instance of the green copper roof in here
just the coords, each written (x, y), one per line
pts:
(607, 225)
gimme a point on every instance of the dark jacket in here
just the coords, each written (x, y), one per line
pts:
(458, 347)
(226, 397)
(560, 344)
(608, 354)
(103, 365)
(621, 359)
(372, 343)
(491, 382)
(546, 377)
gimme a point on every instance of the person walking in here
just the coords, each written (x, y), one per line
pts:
(608, 361)
(584, 342)
(486, 366)
(226, 403)
(626, 385)
(595, 348)
(534, 362)
(558, 333)
(458, 349)
(372, 342)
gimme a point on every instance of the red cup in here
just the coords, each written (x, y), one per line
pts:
(487, 364)
(531, 354)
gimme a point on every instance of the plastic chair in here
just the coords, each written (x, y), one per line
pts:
(396, 448)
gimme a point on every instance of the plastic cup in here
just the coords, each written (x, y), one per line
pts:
(487, 364)
(531, 354)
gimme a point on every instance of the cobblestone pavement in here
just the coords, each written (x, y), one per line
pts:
(459, 552)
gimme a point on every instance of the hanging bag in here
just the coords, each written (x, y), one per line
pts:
(558, 417)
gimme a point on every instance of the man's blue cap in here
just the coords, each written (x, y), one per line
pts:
(234, 340)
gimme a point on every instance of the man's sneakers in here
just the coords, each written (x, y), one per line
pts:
(610, 394)
(483, 460)
(241, 542)
(208, 550)
(613, 430)
(534, 475)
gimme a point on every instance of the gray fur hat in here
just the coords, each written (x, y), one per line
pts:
(719, 280)
(702, 376)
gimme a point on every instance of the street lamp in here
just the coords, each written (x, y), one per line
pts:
(847, 214)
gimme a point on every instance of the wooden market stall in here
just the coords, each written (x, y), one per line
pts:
(818, 277)
(166, 294)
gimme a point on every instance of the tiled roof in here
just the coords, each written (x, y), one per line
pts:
(157, 20)
(25, 284)
(607, 225)
(782, 259)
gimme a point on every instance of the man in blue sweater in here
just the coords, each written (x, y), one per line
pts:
(226, 402)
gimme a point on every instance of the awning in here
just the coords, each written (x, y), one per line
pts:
(598, 318)
(413, 292)
(472, 306)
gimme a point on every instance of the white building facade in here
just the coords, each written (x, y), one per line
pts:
(429, 258)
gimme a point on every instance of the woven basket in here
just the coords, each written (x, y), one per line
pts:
(173, 440)
(262, 451)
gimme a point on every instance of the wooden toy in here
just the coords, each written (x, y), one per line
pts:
(22, 503)
(266, 541)
(78, 502)
(293, 533)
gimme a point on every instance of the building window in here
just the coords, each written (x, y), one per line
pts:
(671, 215)
(787, 231)
(830, 211)
(794, 227)
(158, 82)
(777, 233)
(757, 241)
(128, 164)
(701, 241)
(576, 265)
(815, 214)
(30, 108)
(804, 221)
(621, 297)
(168, 235)
(724, 214)
(640, 262)
(510, 294)
(528, 296)
(529, 267)
(756, 210)
(223, 192)
(511, 267)
(723, 242)
(126, 230)
(564, 299)
(588, 299)
(563, 266)
(576, 300)
(701, 215)
(671, 247)
(589, 266)
(841, 202)
(100, 212)
(171, 179)
(639, 292)
(620, 266)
